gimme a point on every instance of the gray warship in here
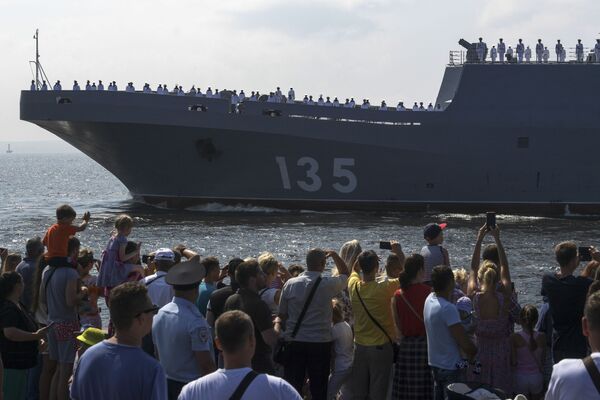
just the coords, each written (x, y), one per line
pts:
(514, 138)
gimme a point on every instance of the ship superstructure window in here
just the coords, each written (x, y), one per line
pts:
(523, 142)
(63, 100)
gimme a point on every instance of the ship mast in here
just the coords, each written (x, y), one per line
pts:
(37, 60)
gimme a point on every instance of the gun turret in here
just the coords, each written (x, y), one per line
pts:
(471, 51)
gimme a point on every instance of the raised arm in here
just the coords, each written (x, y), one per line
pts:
(84, 223)
(475, 258)
(339, 263)
(504, 270)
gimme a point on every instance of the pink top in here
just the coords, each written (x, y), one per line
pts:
(526, 359)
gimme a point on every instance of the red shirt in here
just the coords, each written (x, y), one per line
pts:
(416, 295)
(56, 240)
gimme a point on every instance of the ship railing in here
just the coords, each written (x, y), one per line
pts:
(459, 57)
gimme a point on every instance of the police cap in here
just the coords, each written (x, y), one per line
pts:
(186, 273)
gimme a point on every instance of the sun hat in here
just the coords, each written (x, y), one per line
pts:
(92, 336)
(464, 304)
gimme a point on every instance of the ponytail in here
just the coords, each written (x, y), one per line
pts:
(413, 264)
(529, 317)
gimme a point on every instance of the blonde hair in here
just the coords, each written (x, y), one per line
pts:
(123, 221)
(487, 275)
(461, 276)
(349, 253)
(268, 263)
(338, 311)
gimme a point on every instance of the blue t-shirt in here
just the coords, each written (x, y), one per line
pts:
(439, 314)
(109, 371)
(204, 296)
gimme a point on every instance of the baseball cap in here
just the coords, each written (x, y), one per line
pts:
(464, 304)
(164, 254)
(432, 230)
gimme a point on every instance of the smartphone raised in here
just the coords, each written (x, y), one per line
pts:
(490, 219)
(585, 254)
(385, 245)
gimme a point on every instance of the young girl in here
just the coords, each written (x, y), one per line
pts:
(113, 267)
(343, 351)
(134, 263)
(527, 353)
(89, 313)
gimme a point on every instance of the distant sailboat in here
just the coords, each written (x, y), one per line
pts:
(9, 150)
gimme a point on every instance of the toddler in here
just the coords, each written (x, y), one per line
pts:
(467, 320)
(527, 355)
(89, 313)
(343, 351)
(116, 267)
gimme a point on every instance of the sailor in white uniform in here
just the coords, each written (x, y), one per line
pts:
(88, 86)
(44, 86)
(438, 107)
(305, 99)
(321, 101)
(192, 91)
(209, 92)
(32, 87)
(494, 54)
(94, 88)
(328, 102)
(199, 93)
(115, 88)
(278, 95)
(352, 102)
(76, 87)
(528, 55)
(400, 107)
(364, 105)
(100, 85)
(597, 50)
(130, 88)
(383, 106)
(421, 108)
(520, 51)
(242, 96)
(291, 95)
(430, 107)
(546, 55)
(539, 51)
(180, 92)
(563, 55)
(159, 89)
(481, 50)
(110, 86)
(146, 88)
(579, 50)
(509, 53)
(336, 102)
(235, 99)
(501, 50)
(310, 101)
(415, 107)
(347, 103)
(217, 94)
(559, 50)
(57, 86)
(271, 98)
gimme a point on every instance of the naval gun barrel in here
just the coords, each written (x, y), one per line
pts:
(472, 56)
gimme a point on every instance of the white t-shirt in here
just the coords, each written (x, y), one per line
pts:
(223, 382)
(439, 314)
(570, 380)
(343, 345)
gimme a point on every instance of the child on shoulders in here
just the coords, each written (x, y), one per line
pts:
(57, 236)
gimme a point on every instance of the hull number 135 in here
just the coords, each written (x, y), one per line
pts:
(312, 179)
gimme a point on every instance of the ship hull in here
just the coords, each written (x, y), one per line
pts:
(523, 157)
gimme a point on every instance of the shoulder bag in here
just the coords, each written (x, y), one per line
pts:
(282, 351)
(410, 307)
(395, 346)
(591, 368)
(243, 386)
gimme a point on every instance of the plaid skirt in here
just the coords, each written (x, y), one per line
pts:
(412, 375)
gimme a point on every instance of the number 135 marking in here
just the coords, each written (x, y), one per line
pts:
(312, 181)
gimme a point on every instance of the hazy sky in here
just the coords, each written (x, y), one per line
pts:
(380, 49)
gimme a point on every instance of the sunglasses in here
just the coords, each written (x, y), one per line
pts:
(153, 310)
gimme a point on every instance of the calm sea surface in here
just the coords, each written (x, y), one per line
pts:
(31, 186)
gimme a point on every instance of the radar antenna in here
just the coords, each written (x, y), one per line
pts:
(39, 70)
